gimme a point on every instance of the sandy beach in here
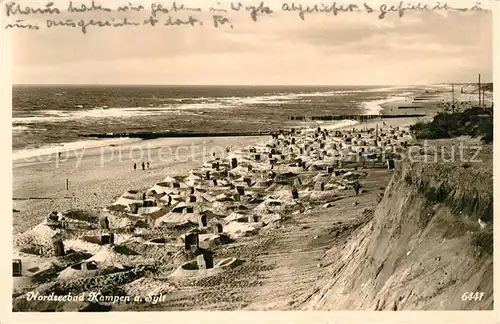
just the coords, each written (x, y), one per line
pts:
(97, 176)
(257, 245)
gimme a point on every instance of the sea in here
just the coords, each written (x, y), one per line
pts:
(48, 119)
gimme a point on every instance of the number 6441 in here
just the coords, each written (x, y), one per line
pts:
(469, 296)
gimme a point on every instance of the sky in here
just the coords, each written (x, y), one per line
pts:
(354, 48)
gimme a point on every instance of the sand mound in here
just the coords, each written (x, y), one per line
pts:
(148, 287)
(94, 248)
(161, 188)
(271, 218)
(169, 180)
(148, 210)
(269, 205)
(236, 217)
(239, 171)
(77, 271)
(106, 255)
(81, 215)
(117, 256)
(81, 245)
(235, 229)
(119, 221)
(38, 239)
(32, 269)
(190, 269)
(354, 175)
(20, 283)
(45, 232)
(177, 218)
(132, 194)
(122, 201)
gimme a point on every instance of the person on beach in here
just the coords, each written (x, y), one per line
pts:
(147, 164)
(143, 166)
(356, 186)
(135, 166)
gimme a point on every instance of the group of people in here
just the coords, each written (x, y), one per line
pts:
(144, 165)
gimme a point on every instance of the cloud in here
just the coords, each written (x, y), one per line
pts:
(355, 48)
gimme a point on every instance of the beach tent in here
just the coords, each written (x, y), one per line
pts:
(179, 208)
(236, 217)
(161, 187)
(173, 182)
(192, 183)
(169, 179)
(178, 218)
(240, 170)
(224, 197)
(208, 197)
(193, 177)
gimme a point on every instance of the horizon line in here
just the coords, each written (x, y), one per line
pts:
(241, 85)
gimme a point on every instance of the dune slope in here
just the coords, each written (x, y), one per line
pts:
(419, 251)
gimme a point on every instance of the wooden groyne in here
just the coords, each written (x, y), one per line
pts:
(153, 135)
(355, 117)
(404, 116)
(41, 198)
(336, 117)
